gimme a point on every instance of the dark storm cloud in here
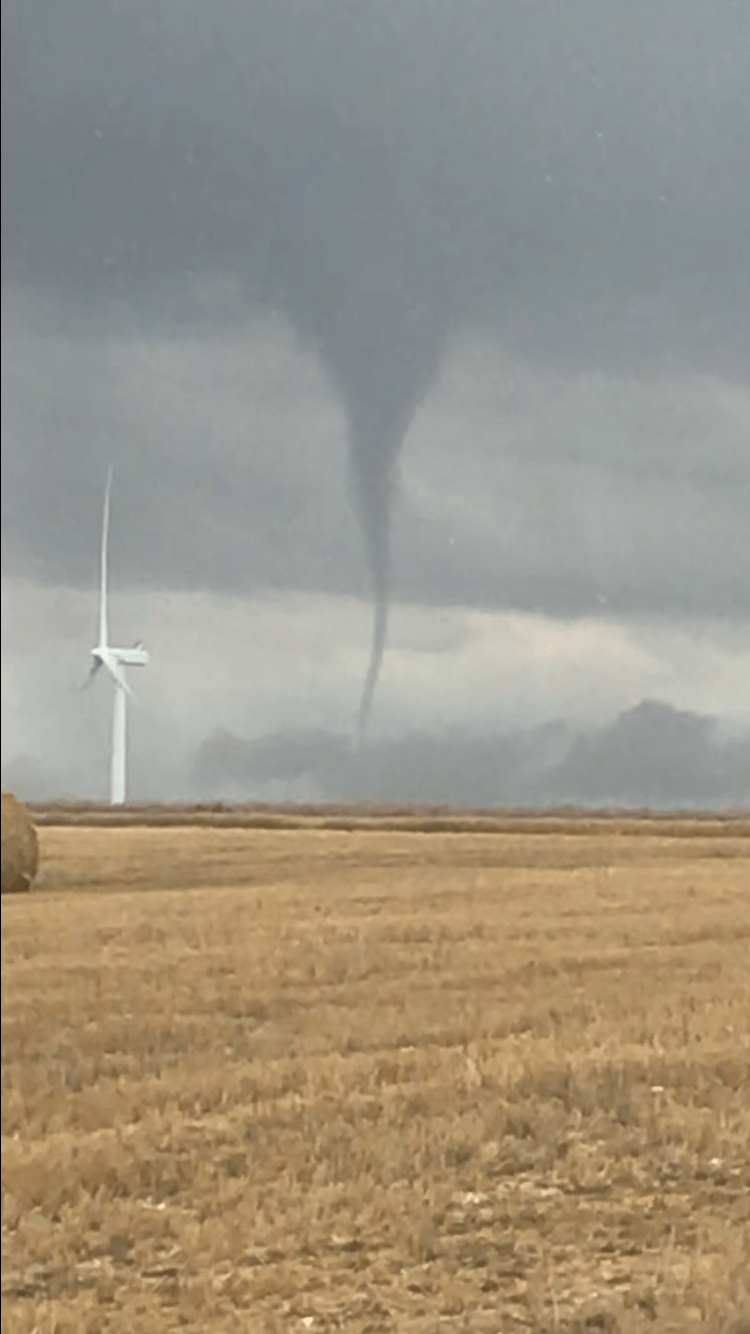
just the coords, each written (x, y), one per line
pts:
(392, 167)
(570, 179)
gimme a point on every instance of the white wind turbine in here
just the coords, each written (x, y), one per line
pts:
(114, 659)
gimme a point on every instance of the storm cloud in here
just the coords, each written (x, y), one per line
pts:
(392, 168)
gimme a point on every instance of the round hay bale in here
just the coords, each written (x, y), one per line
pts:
(20, 850)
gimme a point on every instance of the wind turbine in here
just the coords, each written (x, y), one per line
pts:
(114, 659)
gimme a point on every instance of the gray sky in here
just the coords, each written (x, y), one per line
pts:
(249, 247)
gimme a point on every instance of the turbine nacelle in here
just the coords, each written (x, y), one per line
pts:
(127, 657)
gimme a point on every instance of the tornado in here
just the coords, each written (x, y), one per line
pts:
(378, 311)
(380, 406)
(372, 460)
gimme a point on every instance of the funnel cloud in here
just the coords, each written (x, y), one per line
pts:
(379, 409)
(379, 313)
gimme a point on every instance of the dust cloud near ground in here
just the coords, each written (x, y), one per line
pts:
(650, 755)
(379, 1078)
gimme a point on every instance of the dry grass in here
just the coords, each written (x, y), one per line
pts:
(373, 1081)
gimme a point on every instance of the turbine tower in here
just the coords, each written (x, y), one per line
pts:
(114, 659)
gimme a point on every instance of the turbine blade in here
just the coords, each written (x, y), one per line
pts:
(96, 665)
(115, 670)
(103, 632)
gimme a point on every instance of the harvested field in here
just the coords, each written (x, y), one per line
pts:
(380, 1078)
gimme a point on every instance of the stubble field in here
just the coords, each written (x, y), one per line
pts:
(388, 1077)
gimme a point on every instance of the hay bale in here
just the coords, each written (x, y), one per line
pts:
(20, 846)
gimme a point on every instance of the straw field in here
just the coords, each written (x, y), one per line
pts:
(391, 1076)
